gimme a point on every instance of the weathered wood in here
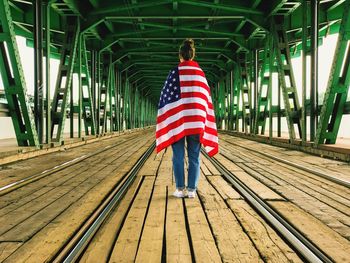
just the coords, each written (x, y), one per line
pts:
(100, 246)
(151, 243)
(233, 244)
(126, 246)
(7, 248)
(271, 247)
(203, 242)
(42, 246)
(224, 188)
(209, 165)
(329, 241)
(165, 173)
(177, 241)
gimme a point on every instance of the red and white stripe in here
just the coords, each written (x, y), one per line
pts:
(192, 114)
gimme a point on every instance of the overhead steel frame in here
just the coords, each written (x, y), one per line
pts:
(14, 82)
(338, 85)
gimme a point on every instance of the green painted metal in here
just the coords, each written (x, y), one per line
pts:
(264, 88)
(286, 79)
(236, 97)
(338, 85)
(144, 44)
(14, 83)
(64, 80)
(245, 92)
(87, 104)
(103, 99)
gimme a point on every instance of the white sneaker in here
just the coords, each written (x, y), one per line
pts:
(191, 193)
(179, 193)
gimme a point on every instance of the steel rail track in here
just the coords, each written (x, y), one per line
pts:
(301, 244)
(32, 178)
(75, 247)
(306, 169)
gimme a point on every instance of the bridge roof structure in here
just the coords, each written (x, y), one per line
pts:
(143, 37)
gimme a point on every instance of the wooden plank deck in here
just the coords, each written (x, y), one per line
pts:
(205, 229)
(150, 225)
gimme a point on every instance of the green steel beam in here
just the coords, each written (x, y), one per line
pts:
(338, 85)
(64, 80)
(230, 8)
(14, 83)
(265, 87)
(287, 80)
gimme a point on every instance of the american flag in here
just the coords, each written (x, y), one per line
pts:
(185, 107)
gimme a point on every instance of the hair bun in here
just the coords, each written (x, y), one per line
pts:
(189, 42)
(187, 50)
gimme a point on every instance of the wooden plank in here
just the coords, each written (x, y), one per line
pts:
(165, 172)
(37, 220)
(259, 188)
(329, 241)
(233, 244)
(7, 248)
(15, 171)
(224, 188)
(203, 242)
(60, 177)
(42, 246)
(209, 165)
(271, 247)
(204, 168)
(99, 248)
(152, 164)
(151, 244)
(126, 246)
(21, 202)
(229, 164)
(177, 241)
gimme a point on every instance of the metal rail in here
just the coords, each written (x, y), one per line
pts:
(32, 178)
(73, 250)
(306, 169)
(302, 245)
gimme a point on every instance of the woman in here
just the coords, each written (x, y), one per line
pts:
(185, 112)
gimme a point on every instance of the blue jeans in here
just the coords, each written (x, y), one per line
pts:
(193, 151)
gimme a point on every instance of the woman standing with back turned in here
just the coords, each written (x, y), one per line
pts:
(185, 112)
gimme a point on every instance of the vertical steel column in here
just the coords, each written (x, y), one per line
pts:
(38, 69)
(80, 84)
(71, 106)
(48, 72)
(314, 68)
(64, 78)
(304, 65)
(256, 85)
(338, 85)
(98, 95)
(231, 100)
(279, 113)
(14, 83)
(111, 92)
(118, 99)
(93, 82)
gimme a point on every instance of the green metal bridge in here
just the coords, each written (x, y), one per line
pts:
(123, 50)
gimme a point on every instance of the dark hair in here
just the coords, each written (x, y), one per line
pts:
(187, 50)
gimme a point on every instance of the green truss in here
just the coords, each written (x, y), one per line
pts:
(338, 85)
(14, 83)
(143, 46)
